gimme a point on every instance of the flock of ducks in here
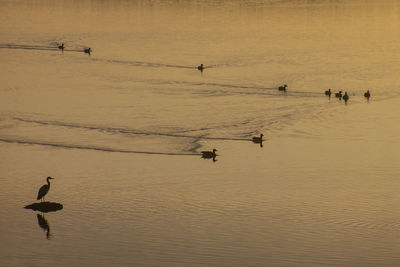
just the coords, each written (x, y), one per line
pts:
(86, 50)
(213, 155)
(328, 92)
(259, 139)
(345, 97)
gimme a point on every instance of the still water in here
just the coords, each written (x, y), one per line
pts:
(121, 130)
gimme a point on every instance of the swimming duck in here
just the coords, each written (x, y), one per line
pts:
(87, 50)
(61, 47)
(367, 94)
(328, 92)
(257, 139)
(339, 95)
(345, 97)
(209, 154)
(200, 68)
(282, 88)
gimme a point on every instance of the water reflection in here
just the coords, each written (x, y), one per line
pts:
(44, 224)
(44, 207)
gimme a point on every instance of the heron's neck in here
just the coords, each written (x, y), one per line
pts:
(48, 181)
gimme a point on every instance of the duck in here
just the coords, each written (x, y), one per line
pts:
(61, 47)
(87, 50)
(257, 139)
(339, 95)
(367, 94)
(345, 97)
(328, 92)
(201, 67)
(209, 154)
(282, 88)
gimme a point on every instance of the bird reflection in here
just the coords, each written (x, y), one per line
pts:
(44, 224)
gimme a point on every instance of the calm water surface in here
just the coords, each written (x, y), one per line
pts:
(121, 130)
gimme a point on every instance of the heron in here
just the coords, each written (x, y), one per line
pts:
(201, 67)
(282, 88)
(87, 50)
(339, 95)
(61, 47)
(367, 94)
(209, 154)
(44, 189)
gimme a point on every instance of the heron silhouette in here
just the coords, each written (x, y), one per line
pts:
(44, 189)
(61, 47)
(200, 68)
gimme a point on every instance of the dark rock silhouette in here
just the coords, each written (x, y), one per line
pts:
(45, 206)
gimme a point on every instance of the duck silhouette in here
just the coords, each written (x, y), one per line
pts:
(87, 50)
(346, 97)
(209, 154)
(282, 88)
(328, 92)
(257, 139)
(367, 94)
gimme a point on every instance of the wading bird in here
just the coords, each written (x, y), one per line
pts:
(200, 68)
(339, 95)
(44, 189)
(61, 47)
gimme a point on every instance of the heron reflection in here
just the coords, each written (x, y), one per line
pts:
(44, 224)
